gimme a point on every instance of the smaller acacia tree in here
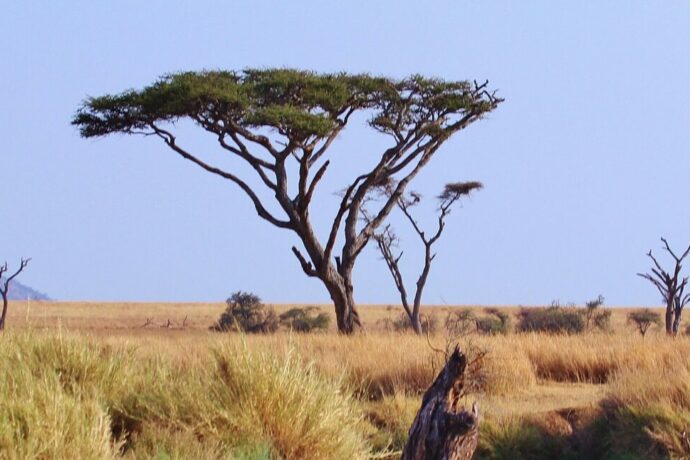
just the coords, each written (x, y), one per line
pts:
(644, 319)
(5, 287)
(671, 287)
(246, 313)
(387, 240)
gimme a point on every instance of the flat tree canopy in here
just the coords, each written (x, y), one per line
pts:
(271, 117)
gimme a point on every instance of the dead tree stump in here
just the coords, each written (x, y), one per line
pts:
(443, 429)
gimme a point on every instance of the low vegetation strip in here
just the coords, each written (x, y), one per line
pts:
(293, 395)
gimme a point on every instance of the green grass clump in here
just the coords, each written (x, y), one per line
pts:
(67, 397)
(50, 402)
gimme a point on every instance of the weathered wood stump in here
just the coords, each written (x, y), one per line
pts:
(443, 429)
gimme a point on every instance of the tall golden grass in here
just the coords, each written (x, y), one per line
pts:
(166, 393)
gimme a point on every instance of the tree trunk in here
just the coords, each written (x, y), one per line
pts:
(676, 321)
(442, 429)
(4, 313)
(341, 292)
(669, 318)
(416, 323)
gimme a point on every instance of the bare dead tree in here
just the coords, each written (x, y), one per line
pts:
(387, 240)
(5, 287)
(671, 287)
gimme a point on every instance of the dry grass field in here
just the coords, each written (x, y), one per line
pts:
(149, 380)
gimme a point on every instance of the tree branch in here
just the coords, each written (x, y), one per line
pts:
(170, 140)
(306, 266)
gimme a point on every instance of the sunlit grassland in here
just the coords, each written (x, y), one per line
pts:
(86, 380)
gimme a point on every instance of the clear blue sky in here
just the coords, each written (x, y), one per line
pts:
(585, 164)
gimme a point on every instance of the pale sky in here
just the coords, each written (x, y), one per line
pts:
(585, 164)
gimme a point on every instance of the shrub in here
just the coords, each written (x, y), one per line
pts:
(595, 317)
(461, 322)
(644, 319)
(402, 323)
(553, 320)
(429, 323)
(246, 313)
(497, 323)
(305, 319)
(602, 320)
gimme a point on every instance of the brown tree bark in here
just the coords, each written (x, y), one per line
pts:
(5, 288)
(442, 429)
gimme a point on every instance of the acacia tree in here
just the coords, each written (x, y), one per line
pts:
(386, 241)
(671, 287)
(282, 122)
(5, 287)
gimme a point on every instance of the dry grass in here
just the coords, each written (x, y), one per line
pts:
(540, 394)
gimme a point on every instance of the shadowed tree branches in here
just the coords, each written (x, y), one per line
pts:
(671, 287)
(282, 122)
(5, 286)
(387, 240)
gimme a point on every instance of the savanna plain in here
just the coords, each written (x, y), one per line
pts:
(150, 380)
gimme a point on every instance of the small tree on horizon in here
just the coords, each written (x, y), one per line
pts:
(281, 123)
(5, 287)
(387, 240)
(245, 312)
(644, 319)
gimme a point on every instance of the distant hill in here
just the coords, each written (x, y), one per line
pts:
(20, 292)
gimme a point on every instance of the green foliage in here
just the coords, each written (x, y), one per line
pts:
(643, 319)
(246, 313)
(297, 103)
(63, 397)
(514, 439)
(497, 323)
(553, 320)
(391, 417)
(307, 319)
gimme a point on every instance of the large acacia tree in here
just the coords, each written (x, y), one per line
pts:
(282, 123)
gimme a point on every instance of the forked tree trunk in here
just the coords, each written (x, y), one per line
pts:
(416, 322)
(442, 429)
(341, 292)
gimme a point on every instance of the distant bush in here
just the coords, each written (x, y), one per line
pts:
(497, 323)
(402, 323)
(553, 320)
(305, 319)
(246, 313)
(461, 322)
(595, 317)
(644, 319)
